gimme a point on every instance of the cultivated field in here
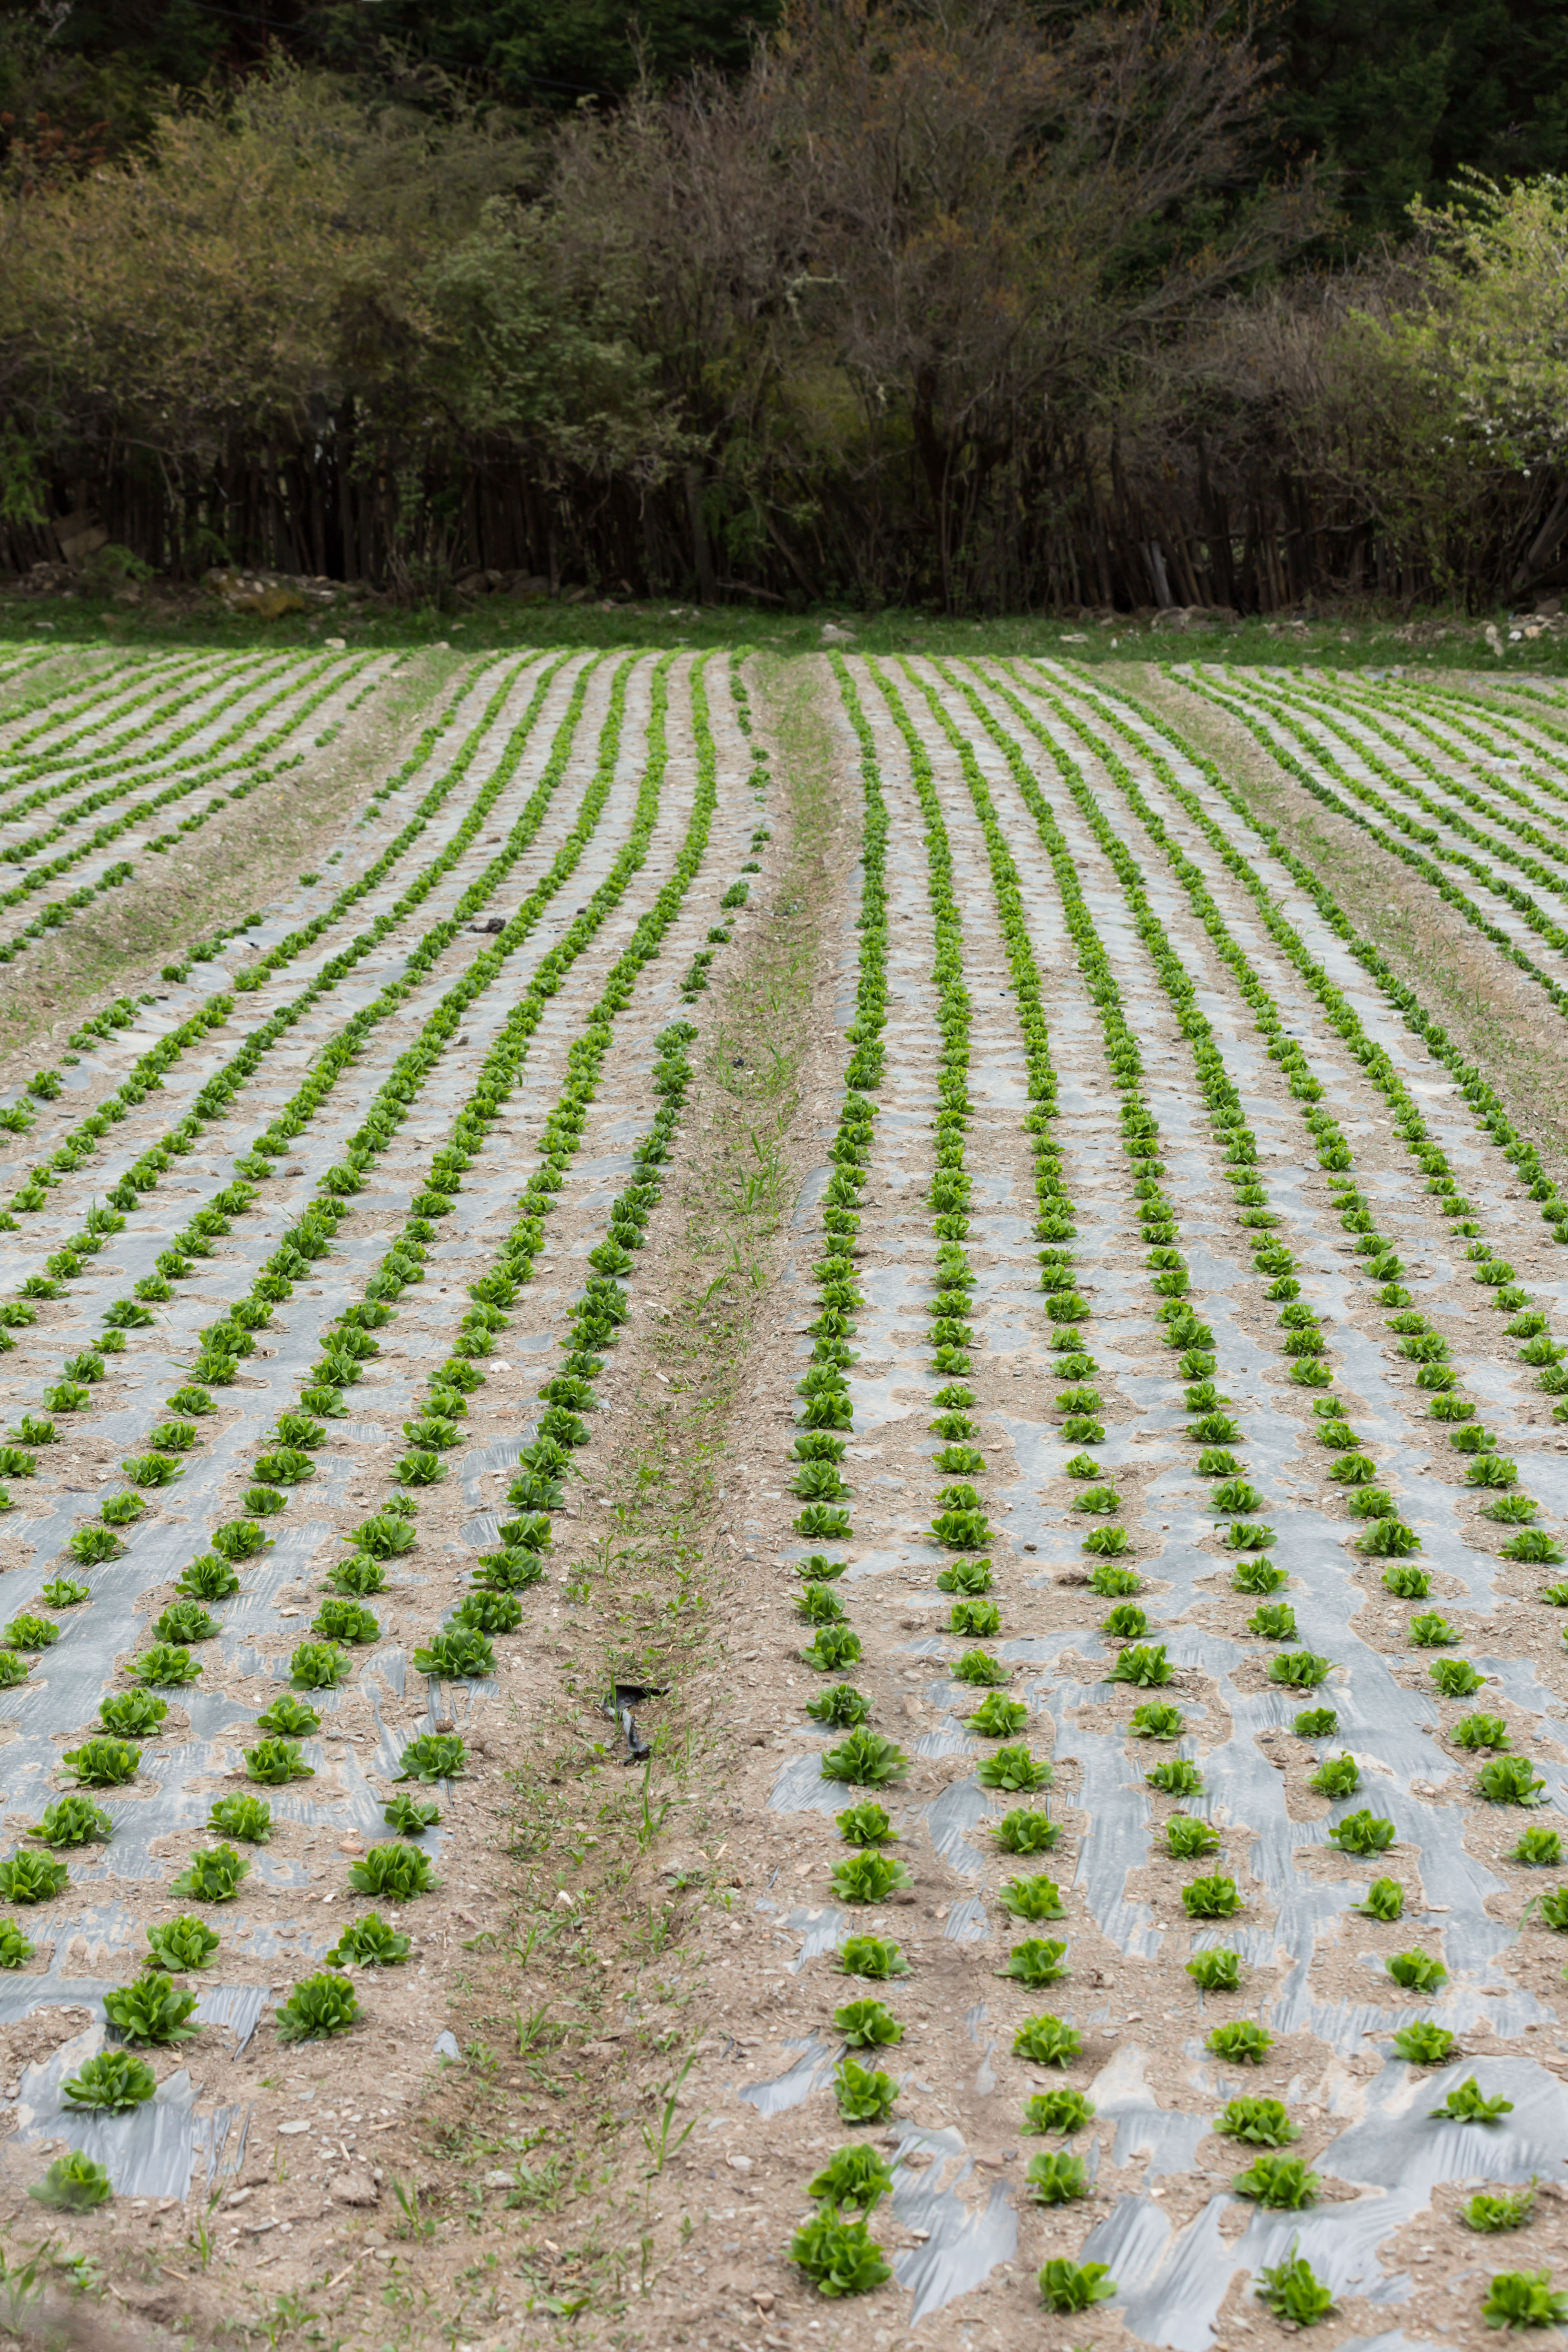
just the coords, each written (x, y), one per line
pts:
(785, 1510)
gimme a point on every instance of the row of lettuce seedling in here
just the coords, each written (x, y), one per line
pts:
(328, 2002)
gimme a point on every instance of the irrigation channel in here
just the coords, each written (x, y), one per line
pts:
(1101, 1878)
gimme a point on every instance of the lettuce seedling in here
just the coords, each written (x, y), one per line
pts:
(369, 1942)
(1065, 2111)
(1215, 1971)
(1159, 1721)
(273, 1762)
(1264, 2123)
(1048, 2041)
(865, 1759)
(399, 1872)
(153, 2010)
(1025, 1831)
(839, 2257)
(1014, 1770)
(1425, 2044)
(180, 1944)
(871, 1956)
(1033, 1898)
(434, 1756)
(1384, 1900)
(1074, 2286)
(114, 2081)
(1243, 2042)
(1524, 2299)
(1294, 2293)
(213, 1874)
(866, 1824)
(1469, 2104)
(864, 2097)
(1056, 2178)
(1278, 2180)
(1361, 1832)
(28, 1877)
(1186, 1837)
(866, 2024)
(103, 1763)
(1214, 1897)
(74, 2183)
(1037, 1962)
(1500, 2208)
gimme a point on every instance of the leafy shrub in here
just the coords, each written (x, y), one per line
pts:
(1243, 2042)
(1215, 1971)
(151, 2010)
(114, 2081)
(1048, 2041)
(397, 1870)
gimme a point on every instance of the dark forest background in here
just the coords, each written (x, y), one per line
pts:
(981, 305)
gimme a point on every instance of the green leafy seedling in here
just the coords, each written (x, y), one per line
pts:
(856, 2177)
(1215, 1971)
(871, 1956)
(274, 1762)
(1027, 1831)
(1175, 1776)
(153, 2010)
(1158, 1720)
(1316, 1723)
(1056, 2178)
(1145, 1665)
(1416, 1971)
(1214, 1897)
(1300, 1669)
(288, 1718)
(75, 2183)
(369, 1942)
(1244, 2043)
(869, 1877)
(1032, 1899)
(1524, 2299)
(1479, 1731)
(28, 1877)
(1495, 2211)
(166, 1663)
(64, 1592)
(1282, 2181)
(1074, 2286)
(318, 2007)
(72, 1821)
(1048, 2041)
(434, 1756)
(1455, 1677)
(1384, 1900)
(864, 1824)
(1065, 2111)
(1262, 2123)
(103, 1763)
(180, 1944)
(1293, 2292)
(865, 1760)
(115, 2083)
(1336, 1775)
(1424, 2043)
(1186, 1838)
(1361, 1832)
(410, 1816)
(1509, 1780)
(398, 1872)
(864, 2095)
(839, 2257)
(1037, 1962)
(15, 1948)
(248, 1819)
(1538, 1849)
(866, 2024)
(318, 1666)
(1469, 2104)
(1014, 1770)
(212, 1875)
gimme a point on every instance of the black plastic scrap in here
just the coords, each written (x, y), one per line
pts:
(618, 1706)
